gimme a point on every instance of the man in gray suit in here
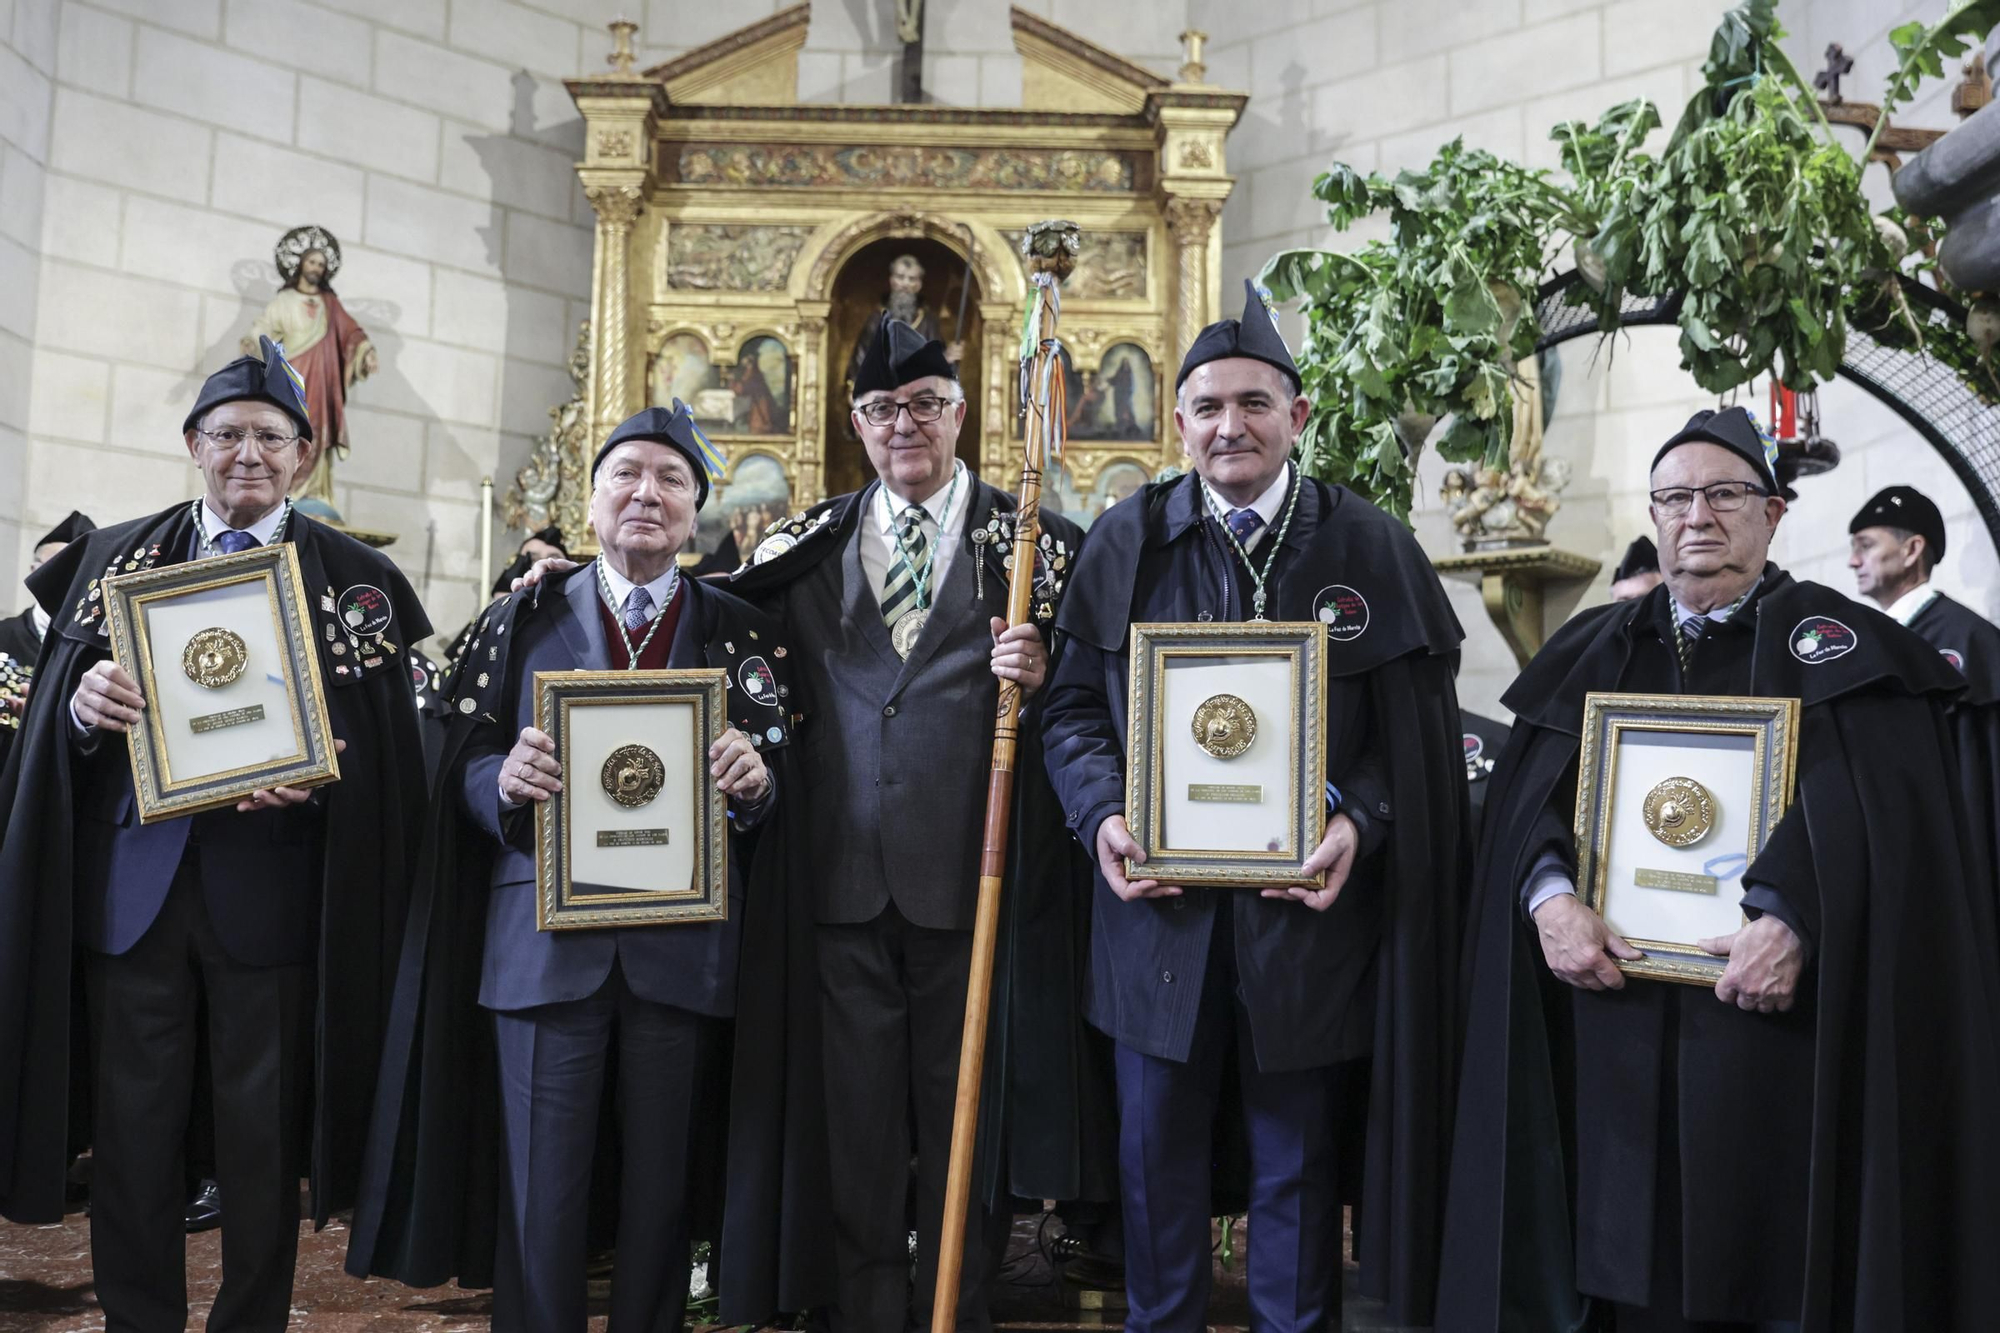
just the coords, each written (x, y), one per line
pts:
(893, 598)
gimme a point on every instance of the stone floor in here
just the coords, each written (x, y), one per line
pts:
(45, 1286)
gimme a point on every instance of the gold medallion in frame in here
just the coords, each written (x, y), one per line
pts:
(282, 699)
(1642, 750)
(590, 829)
(1174, 779)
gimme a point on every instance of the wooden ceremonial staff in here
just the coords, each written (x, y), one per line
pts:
(1050, 249)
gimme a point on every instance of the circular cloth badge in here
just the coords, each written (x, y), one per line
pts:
(1955, 657)
(1342, 610)
(364, 610)
(1477, 766)
(1820, 639)
(757, 681)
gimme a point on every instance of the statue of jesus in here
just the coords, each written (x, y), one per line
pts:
(329, 350)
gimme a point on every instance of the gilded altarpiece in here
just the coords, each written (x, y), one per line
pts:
(745, 242)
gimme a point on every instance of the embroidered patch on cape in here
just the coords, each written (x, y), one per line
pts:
(757, 681)
(1955, 657)
(1342, 610)
(1820, 639)
(365, 610)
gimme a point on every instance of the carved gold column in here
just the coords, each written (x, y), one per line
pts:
(620, 112)
(618, 207)
(1192, 120)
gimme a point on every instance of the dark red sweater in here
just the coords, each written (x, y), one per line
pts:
(655, 656)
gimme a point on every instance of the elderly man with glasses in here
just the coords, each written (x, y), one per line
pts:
(1805, 1145)
(894, 599)
(280, 918)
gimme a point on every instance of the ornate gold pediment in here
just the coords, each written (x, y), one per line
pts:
(1060, 71)
(753, 66)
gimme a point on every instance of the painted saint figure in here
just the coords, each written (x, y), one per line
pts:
(330, 351)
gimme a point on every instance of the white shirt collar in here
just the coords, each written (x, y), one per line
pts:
(39, 619)
(888, 506)
(213, 526)
(1911, 604)
(1721, 613)
(661, 588)
(1267, 505)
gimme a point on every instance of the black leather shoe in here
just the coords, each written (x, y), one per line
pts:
(205, 1208)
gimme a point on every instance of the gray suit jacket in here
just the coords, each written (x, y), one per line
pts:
(689, 966)
(896, 753)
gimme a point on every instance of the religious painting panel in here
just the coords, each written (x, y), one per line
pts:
(735, 258)
(681, 370)
(1117, 400)
(756, 495)
(756, 398)
(894, 167)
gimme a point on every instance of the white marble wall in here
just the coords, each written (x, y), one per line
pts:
(27, 58)
(1380, 84)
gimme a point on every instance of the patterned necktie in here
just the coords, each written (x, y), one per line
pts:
(899, 589)
(229, 543)
(1244, 523)
(637, 603)
(1691, 631)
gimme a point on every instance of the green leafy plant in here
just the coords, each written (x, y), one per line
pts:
(1752, 214)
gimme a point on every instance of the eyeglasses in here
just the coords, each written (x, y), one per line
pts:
(1724, 497)
(267, 441)
(883, 411)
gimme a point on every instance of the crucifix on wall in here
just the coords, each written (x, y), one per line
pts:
(910, 32)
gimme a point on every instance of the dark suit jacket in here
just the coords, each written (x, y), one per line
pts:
(692, 967)
(894, 757)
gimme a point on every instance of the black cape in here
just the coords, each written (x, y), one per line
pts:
(430, 1191)
(1407, 644)
(1904, 1190)
(18, 638)
(1971, 643)
(370, 845)
(1047, 1096)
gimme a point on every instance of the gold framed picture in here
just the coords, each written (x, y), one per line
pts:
(1226, 766)
(223, 653)
(1676, 794)
(639, 834)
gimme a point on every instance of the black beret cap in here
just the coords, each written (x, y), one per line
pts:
(673, 426)
(270, 379)
(1907, 508)
(1641, 557)
(76, 525)
(1255, 336)
(1735, 430)
(897, 355)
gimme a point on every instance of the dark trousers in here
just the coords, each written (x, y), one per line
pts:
(552, 1062)
(143, 1006)
(1166, 1123)
(892, 1016)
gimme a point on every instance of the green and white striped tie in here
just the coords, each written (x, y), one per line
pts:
(899, 590)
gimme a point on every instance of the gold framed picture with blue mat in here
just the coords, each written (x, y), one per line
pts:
(1676, 795)
(223, 652)
(1226, 765)
(639, 833)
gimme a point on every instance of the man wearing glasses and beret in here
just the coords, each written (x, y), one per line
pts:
(1806, 1145)
(894, 599)
(279, 918)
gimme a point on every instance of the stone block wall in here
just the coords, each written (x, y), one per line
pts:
(27, 61)
(1381, 84)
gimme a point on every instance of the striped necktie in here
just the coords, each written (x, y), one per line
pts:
(1691, 631)
(899, 589)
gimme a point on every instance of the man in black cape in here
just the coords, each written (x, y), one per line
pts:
(895, 596)
(1337, 1003)
(1895, 542)
(283, 913)
(21, 636)
(476, 973)
(1807, 1145)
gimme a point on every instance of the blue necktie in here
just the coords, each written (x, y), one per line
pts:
(637, 603)
(1244, 523)
(233, 541)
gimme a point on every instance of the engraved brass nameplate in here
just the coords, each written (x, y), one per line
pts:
(632, 837)
(234, 717)
(1677, 880)
(1245, 793)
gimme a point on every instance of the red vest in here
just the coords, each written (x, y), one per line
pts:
(654, 658)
